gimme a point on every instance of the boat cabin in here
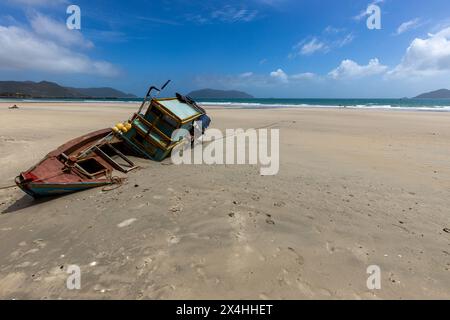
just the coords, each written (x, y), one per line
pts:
(153, 126)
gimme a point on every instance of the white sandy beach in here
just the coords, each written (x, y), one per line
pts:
(355, 188)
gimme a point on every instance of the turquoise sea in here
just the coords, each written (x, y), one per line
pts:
(394, 104)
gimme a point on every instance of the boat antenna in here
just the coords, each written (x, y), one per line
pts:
(149, 94)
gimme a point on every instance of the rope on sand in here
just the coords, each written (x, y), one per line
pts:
(8, 187)
(116, 183)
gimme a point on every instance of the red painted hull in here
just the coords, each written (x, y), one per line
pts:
(53, 176)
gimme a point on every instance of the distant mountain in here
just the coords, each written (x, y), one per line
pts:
(219, 94)
(45, 89)
(438, 94)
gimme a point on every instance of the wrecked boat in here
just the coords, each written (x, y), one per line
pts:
(101, 158)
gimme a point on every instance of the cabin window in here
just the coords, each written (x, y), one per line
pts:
(156, 113)
(139, 138)
(170, 121)
(91, 166)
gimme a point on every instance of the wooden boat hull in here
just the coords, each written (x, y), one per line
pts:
(52, 176)
(38, 190)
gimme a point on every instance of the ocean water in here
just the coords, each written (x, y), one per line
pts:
(394, 104)
(442, 105)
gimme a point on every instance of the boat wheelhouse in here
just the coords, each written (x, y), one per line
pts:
(153, 133)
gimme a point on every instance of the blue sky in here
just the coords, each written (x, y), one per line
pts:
(269, 48)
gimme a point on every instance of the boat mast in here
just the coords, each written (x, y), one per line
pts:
(149, 94)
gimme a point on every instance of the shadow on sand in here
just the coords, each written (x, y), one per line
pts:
(24, 202)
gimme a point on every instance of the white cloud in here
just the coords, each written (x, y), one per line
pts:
(225, 14)
(408, 25)
(426, 57)
(246, 75)
(345, 41)
(312, 47)
(280, 75)
(350, 69)
(58, 31)
(231, 14)
(360, 16)
(283, 77)
(22, 49)
(303, 76)
(333, 30)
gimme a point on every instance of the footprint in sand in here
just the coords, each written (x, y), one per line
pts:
(176, 208)
(279, 204)
(39, 243)
(173, 240)
(299, 258)
(269, 219)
